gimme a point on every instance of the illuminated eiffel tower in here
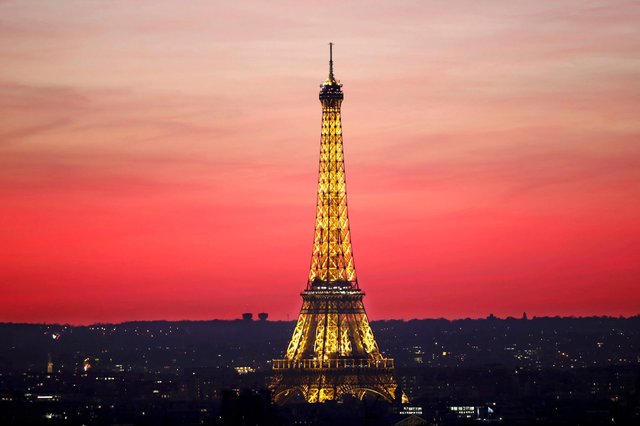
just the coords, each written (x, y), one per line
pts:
(332, 352)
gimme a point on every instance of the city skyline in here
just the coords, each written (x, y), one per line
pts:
(159, 162)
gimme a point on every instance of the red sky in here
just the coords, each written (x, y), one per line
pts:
(158, 159)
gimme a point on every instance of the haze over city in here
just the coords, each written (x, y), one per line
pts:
(159, 161)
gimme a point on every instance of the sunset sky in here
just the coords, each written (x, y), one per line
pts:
(158, 159)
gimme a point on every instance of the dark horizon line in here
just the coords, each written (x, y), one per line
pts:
(488, 317)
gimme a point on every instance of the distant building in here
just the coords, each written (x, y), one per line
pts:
(482, 413)
(49, 365)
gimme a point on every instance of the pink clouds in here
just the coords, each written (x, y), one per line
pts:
(158, 159)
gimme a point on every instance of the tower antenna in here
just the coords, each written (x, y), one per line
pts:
(330, 61)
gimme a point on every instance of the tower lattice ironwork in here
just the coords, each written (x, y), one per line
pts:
(332, 352)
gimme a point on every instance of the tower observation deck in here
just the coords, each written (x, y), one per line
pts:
(332, 352)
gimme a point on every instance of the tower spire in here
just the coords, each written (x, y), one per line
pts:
(331, 61)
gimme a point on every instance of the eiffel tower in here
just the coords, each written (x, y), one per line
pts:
(332, 352)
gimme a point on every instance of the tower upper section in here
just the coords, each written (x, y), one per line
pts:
(331, 89)
(332, 265)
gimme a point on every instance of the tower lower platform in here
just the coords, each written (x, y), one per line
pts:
(332, 352)
(315, 381)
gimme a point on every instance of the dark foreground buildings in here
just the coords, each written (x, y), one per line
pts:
(554, 371)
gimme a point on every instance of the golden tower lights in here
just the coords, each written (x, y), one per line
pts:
(332, 351)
